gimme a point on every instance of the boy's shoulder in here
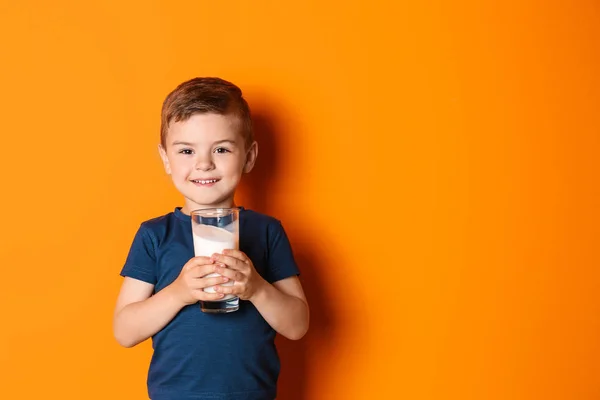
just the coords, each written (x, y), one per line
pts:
(157, 226)
(257, 217)
(157, 222)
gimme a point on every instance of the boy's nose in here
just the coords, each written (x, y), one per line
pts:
(204, 165)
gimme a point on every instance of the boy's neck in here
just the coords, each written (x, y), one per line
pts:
(188, 208)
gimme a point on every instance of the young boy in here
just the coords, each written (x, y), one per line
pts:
(206, 145)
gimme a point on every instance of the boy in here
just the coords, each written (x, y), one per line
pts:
(206, 145)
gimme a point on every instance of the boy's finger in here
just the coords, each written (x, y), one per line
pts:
(213, 281)
(227, 289)
(201, 260)
(231, 262)
(240, 255)
(196, 261)
(202, 295)
(230, 273)
(199, 271)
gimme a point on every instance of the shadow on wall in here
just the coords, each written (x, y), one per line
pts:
(297, 357)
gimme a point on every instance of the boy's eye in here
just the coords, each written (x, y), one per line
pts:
(185, 151)
(221, 150)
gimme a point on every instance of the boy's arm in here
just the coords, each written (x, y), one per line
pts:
(139, 315)
(283, 305)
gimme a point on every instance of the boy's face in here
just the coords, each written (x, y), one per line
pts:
(206, 156)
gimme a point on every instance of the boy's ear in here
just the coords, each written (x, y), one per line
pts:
(251, 155)
(165, 160)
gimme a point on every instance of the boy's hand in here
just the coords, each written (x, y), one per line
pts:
(189, 285)
(236, 266)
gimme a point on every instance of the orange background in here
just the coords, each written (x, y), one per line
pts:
(435, 164)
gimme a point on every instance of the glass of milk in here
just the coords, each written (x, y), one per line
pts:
(214, 230)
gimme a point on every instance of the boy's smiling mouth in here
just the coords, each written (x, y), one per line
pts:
(205, 182)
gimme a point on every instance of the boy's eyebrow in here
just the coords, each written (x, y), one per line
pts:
(225, 141)
(182, 143)
(191, 144)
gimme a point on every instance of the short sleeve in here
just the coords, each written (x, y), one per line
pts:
(141, 260)
(281, 262)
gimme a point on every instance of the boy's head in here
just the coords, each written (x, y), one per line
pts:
(202, 96)
(207, 141)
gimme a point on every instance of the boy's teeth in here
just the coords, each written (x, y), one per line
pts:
(205, 182)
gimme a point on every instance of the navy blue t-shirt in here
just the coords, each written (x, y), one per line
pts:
(211, 356)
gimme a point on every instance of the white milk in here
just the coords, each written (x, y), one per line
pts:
(209, 240)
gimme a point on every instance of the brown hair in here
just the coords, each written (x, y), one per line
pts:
(206, 95)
